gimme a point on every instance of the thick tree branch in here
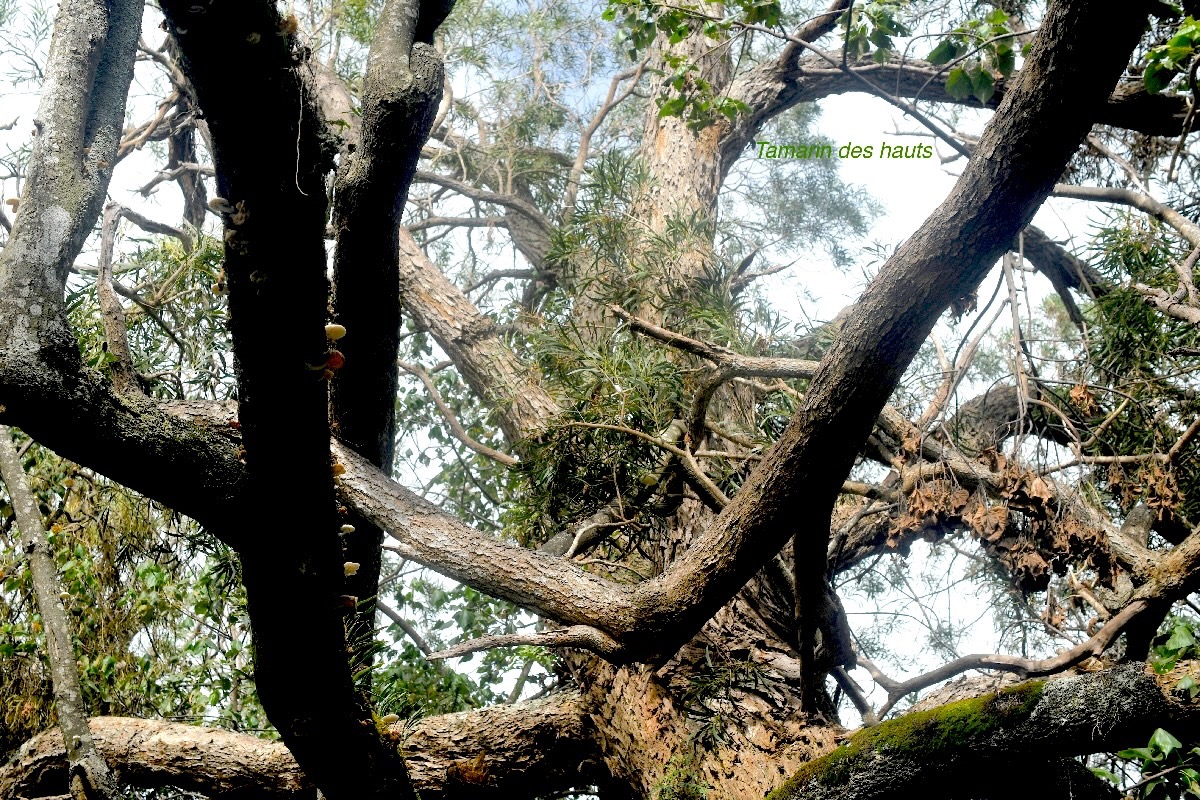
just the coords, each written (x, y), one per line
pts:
(542, 583)
(737, 364)
(969, 746)
(1139, 200)
(272, 153)
(523, 748)
(520, 403)
(1011, 172)
(776, 86)
(43, 386)
(1169, 304)
(78, 126)
(400, 95)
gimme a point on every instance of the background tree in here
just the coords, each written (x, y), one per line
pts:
(652, 493)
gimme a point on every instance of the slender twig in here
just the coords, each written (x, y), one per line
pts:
(1183, 440)
(1187, 121)
(405, 626)
(959, 371)
(1025, 667)
(711, 493)
(1123, 163)
(515, 694)
(634, 76)
(739, 365)
(855, 693)
(1139, 200)
(456, 428)
(166, 175)
(521, 206)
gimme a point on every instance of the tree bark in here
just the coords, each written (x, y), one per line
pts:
(539, 747)
(963, 748)
(401, 92)
(970, 748)
(272, 154)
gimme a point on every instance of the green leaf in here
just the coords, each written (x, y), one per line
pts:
(983, 85)
(1101, 772)
(672, 107)
(1181, 638)
(1142, 753)
(880, 39)
(1178, 53)
(885, 22)
(998, 17)
(944, 53)
(1164, 742)
(1156, 77)
(1005, 61)
(958, 85)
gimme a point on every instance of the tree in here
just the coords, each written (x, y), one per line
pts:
(683, 529)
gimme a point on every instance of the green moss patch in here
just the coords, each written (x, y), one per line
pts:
(936, 734)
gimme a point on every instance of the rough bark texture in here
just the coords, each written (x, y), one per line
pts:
(222, 765)
(968, 748)
(506, 751)
(960, 749)
(1025, 147)
(725, 587)
(514, 392)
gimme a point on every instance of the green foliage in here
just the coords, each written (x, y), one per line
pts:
(1178, 643)
(685, 92)
(711, 695)
(155, 604)
(976, 53)
(1133, 356)
(871, 26)
(1167, 60)
(621, 381)
(408, 684)
(177, 329)
(693, 98)
(1168, 768)
(643, 21)
(358, 18)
